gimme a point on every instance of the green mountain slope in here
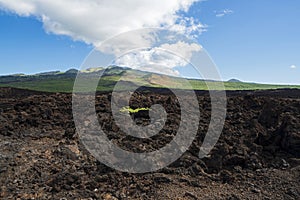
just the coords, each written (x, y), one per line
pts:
(63, 81)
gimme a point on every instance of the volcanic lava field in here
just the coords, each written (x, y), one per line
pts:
(257, 155)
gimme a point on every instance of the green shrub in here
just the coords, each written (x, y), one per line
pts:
(127, 109)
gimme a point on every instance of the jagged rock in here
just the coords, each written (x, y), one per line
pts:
(42, 156)
(269, 115)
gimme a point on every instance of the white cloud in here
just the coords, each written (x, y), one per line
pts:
(222, 13)
(128, 41)
(161, 59)
(293, 66)
(93, 21)
(186, 50)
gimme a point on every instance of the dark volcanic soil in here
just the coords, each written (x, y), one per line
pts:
(257, 156)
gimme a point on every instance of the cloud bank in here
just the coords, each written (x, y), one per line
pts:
(93, 21)
(161, 59)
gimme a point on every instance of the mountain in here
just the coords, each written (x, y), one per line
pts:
(48, 73)
(72, 71)
(234, 81)
(56, 81)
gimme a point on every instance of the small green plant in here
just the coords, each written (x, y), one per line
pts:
(127, 109)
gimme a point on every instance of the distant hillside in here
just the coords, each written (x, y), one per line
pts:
(234, 81)
(57, 81)
(48, 73)
(72, 71)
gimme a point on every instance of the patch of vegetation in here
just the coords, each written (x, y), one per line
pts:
(127, 109)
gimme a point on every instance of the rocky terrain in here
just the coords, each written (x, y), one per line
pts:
(256, 157)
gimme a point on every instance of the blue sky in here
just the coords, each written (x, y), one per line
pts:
(256, 41)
